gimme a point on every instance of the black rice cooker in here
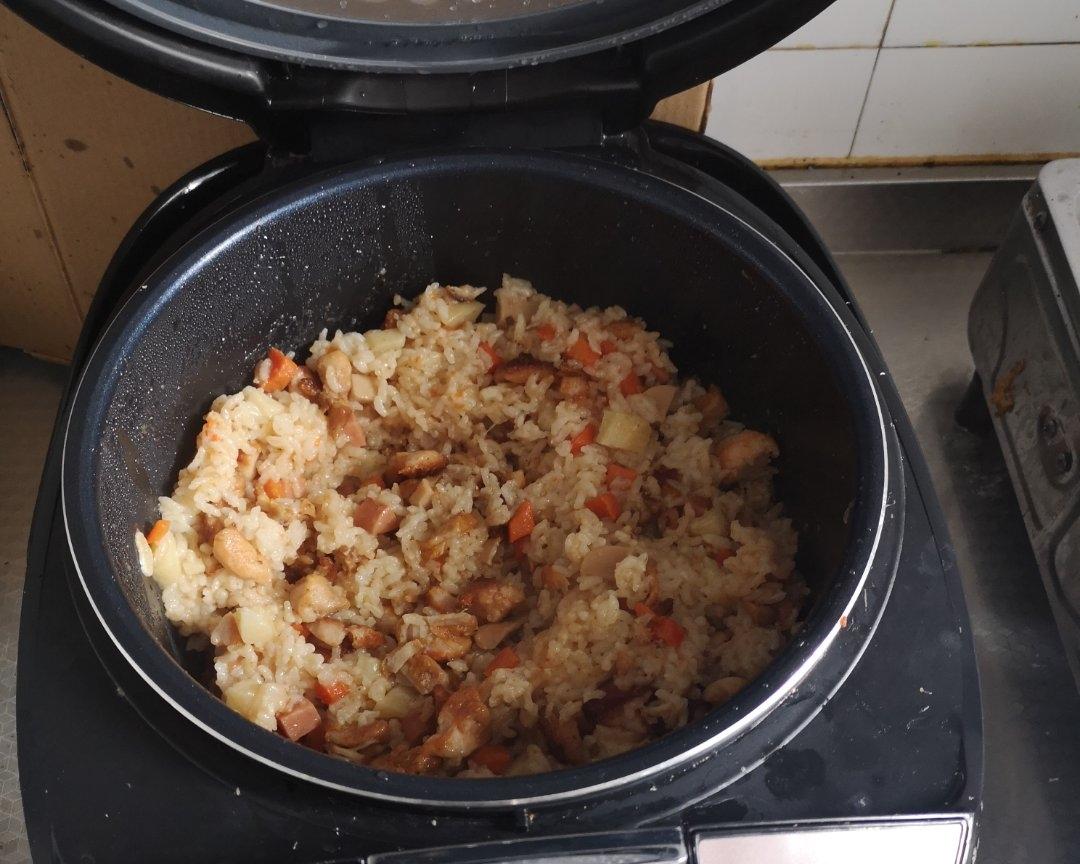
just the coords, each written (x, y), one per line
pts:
(408, 141)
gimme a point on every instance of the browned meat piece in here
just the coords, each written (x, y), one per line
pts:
(464, 724)
(624, 329)
(449, 636)
(298, 720)
(342, 420)
(314, 597)
(235, 552)
(489, 636)
(407, 760)
(521, 369)
(491, 599)
(417, 463)
(365, 638)
(393, 316)
(742, 453)
(358, 736)
(438, 544)
(564, 738)
(306, 384)
(602, 710)
(440, 599)
(712, 405)
(335, 370)
(375, 517)
(424, 673)
(421, 722)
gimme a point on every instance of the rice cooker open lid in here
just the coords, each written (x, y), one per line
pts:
(252, 58)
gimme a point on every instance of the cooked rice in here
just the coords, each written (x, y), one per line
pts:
(608, 657)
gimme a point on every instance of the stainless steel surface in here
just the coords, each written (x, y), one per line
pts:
(927, 841)
(909, 209)
(917, 305)
(29, 391)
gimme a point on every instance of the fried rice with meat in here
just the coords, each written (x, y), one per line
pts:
(473, 543)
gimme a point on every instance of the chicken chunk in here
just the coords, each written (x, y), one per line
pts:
(712, 405)
(449, 636)
(464, 724)
(236, 553)
(492, 600)
(298, 720)
(440, 599)
(407, 760)
(365, 638)
(744, 452)
(335, 370)
(424, 673)
(521, 369)
(417, 463)
(357, 736)
(438, 544)
(313, 597)
(375, 517)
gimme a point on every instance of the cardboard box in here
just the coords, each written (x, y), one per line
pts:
(82, 153)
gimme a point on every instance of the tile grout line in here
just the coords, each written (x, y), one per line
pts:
(870, 79)
(7, 109)
(928, 46)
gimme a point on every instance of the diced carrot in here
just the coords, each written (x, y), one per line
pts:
(605, 506)
(496, 360)
(607, 347)
(721, 555)
(282, 370)
(274, 488)
(160, 529)
(630, 385)
(507, 658)
(585, 436)
(521, 523)
(667, 630)
(619, 475)
(494, 757)
(641, 610)
(546, 332)
(581, 352)
(332, 692)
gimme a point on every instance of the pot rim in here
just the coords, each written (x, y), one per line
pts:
(677, 749)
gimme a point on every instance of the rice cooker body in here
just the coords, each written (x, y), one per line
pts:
(740, 301)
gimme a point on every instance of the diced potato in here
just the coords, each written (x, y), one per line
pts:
(167, 569)
(462, 312)
(256, 625)
(382, 341)
(241, 696)
(662, 395)
(623, 432)
(364, 387)
(398, 702)
(259, 703)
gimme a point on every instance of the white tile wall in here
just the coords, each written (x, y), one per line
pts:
(928, 79)
(971, 22)
(988, 100)
(792, 104)
(845, 24)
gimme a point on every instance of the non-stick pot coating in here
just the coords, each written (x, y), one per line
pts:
(334, 253)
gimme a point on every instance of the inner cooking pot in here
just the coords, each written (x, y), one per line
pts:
(740, 304)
